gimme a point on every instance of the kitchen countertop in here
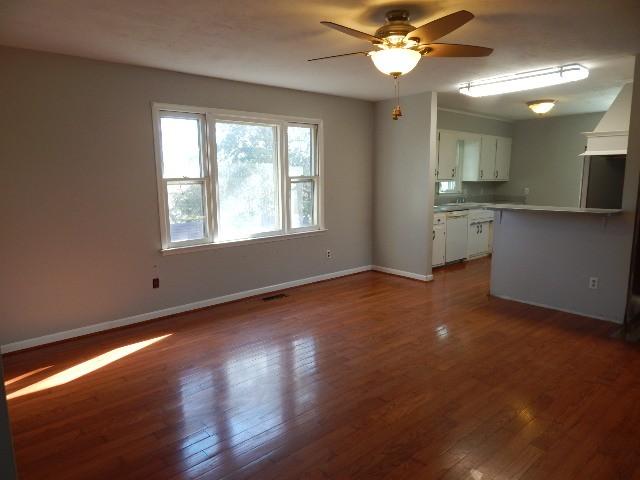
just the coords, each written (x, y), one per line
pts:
(455, 207)
(551, 209)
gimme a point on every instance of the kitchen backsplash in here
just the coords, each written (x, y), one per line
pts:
(484, 198)
(477, 192)
(478, 198)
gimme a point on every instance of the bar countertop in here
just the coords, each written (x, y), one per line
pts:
(550, 209)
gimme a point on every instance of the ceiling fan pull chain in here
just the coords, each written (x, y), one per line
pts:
(397, 113)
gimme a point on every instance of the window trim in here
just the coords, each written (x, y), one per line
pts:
(209, 171)
(315, 178)
(456, 192)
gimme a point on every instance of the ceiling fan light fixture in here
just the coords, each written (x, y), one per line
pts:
(394, 40)
(541, 106)
(395, 61)
(519, 82)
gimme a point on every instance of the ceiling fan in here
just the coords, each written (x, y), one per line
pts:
(398, 46)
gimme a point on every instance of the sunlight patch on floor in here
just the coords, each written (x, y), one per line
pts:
(84, 368)
(25, 375)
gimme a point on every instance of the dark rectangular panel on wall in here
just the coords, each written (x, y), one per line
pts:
(606, 180)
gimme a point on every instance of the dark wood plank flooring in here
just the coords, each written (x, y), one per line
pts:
(366, 377)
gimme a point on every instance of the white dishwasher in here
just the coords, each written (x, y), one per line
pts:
(457, 236)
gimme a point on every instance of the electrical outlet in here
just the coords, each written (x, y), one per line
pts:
(526, 190)
(593, 283)
(329, 254)
(156, 283)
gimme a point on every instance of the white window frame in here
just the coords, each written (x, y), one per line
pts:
(456, 191)
(315, 177)
(209, 171)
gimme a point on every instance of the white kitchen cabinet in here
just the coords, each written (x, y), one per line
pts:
(478, 239)
(503, 158)
(449, 148)
(479, 233)
(486, 158)
(439, 240)
(471, 148)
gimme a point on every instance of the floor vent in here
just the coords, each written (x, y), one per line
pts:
(277, 296)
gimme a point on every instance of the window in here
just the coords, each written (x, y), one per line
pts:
(183, 176)
(450, 186)
(247, 161)
(226, 176)
(303, 175)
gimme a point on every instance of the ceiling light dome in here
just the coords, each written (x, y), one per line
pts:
(541, 106)
(395, 61)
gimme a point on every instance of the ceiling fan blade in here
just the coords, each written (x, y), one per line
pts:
(352, 32)
(432, 31)
(336, 56)
(454, 50)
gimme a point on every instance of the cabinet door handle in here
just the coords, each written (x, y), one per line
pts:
(496, 173)
(480, 228)
(434, 234)
(453, 172)
(481, 173)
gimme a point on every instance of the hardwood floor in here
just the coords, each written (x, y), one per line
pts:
(369, 376)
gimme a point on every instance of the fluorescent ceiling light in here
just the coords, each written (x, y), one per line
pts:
(518, 82)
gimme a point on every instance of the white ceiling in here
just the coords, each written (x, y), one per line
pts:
(267, 42)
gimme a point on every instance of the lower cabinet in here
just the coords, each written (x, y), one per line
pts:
(479, 235)
(461, 236)
(439, 243)
(439, 240)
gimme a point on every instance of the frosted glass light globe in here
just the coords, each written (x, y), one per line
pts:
(395, 61)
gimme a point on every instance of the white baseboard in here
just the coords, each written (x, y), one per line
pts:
(551, 307)
(402, 273)
(143, 317)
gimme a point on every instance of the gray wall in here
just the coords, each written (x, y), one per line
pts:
(548, 258)
(544, 157)
(448, 120)
(404, 184)
(80, 200)
(7, 462)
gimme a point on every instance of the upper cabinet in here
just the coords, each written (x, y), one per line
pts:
(449, 151)
(503, 158)
(486, 158)
(472, 170)
(479, 158)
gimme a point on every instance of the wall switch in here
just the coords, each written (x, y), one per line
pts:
(593, 283)
(156, 283)
(329, 254)
(526, 190)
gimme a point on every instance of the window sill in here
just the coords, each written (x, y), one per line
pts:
(238, 243)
